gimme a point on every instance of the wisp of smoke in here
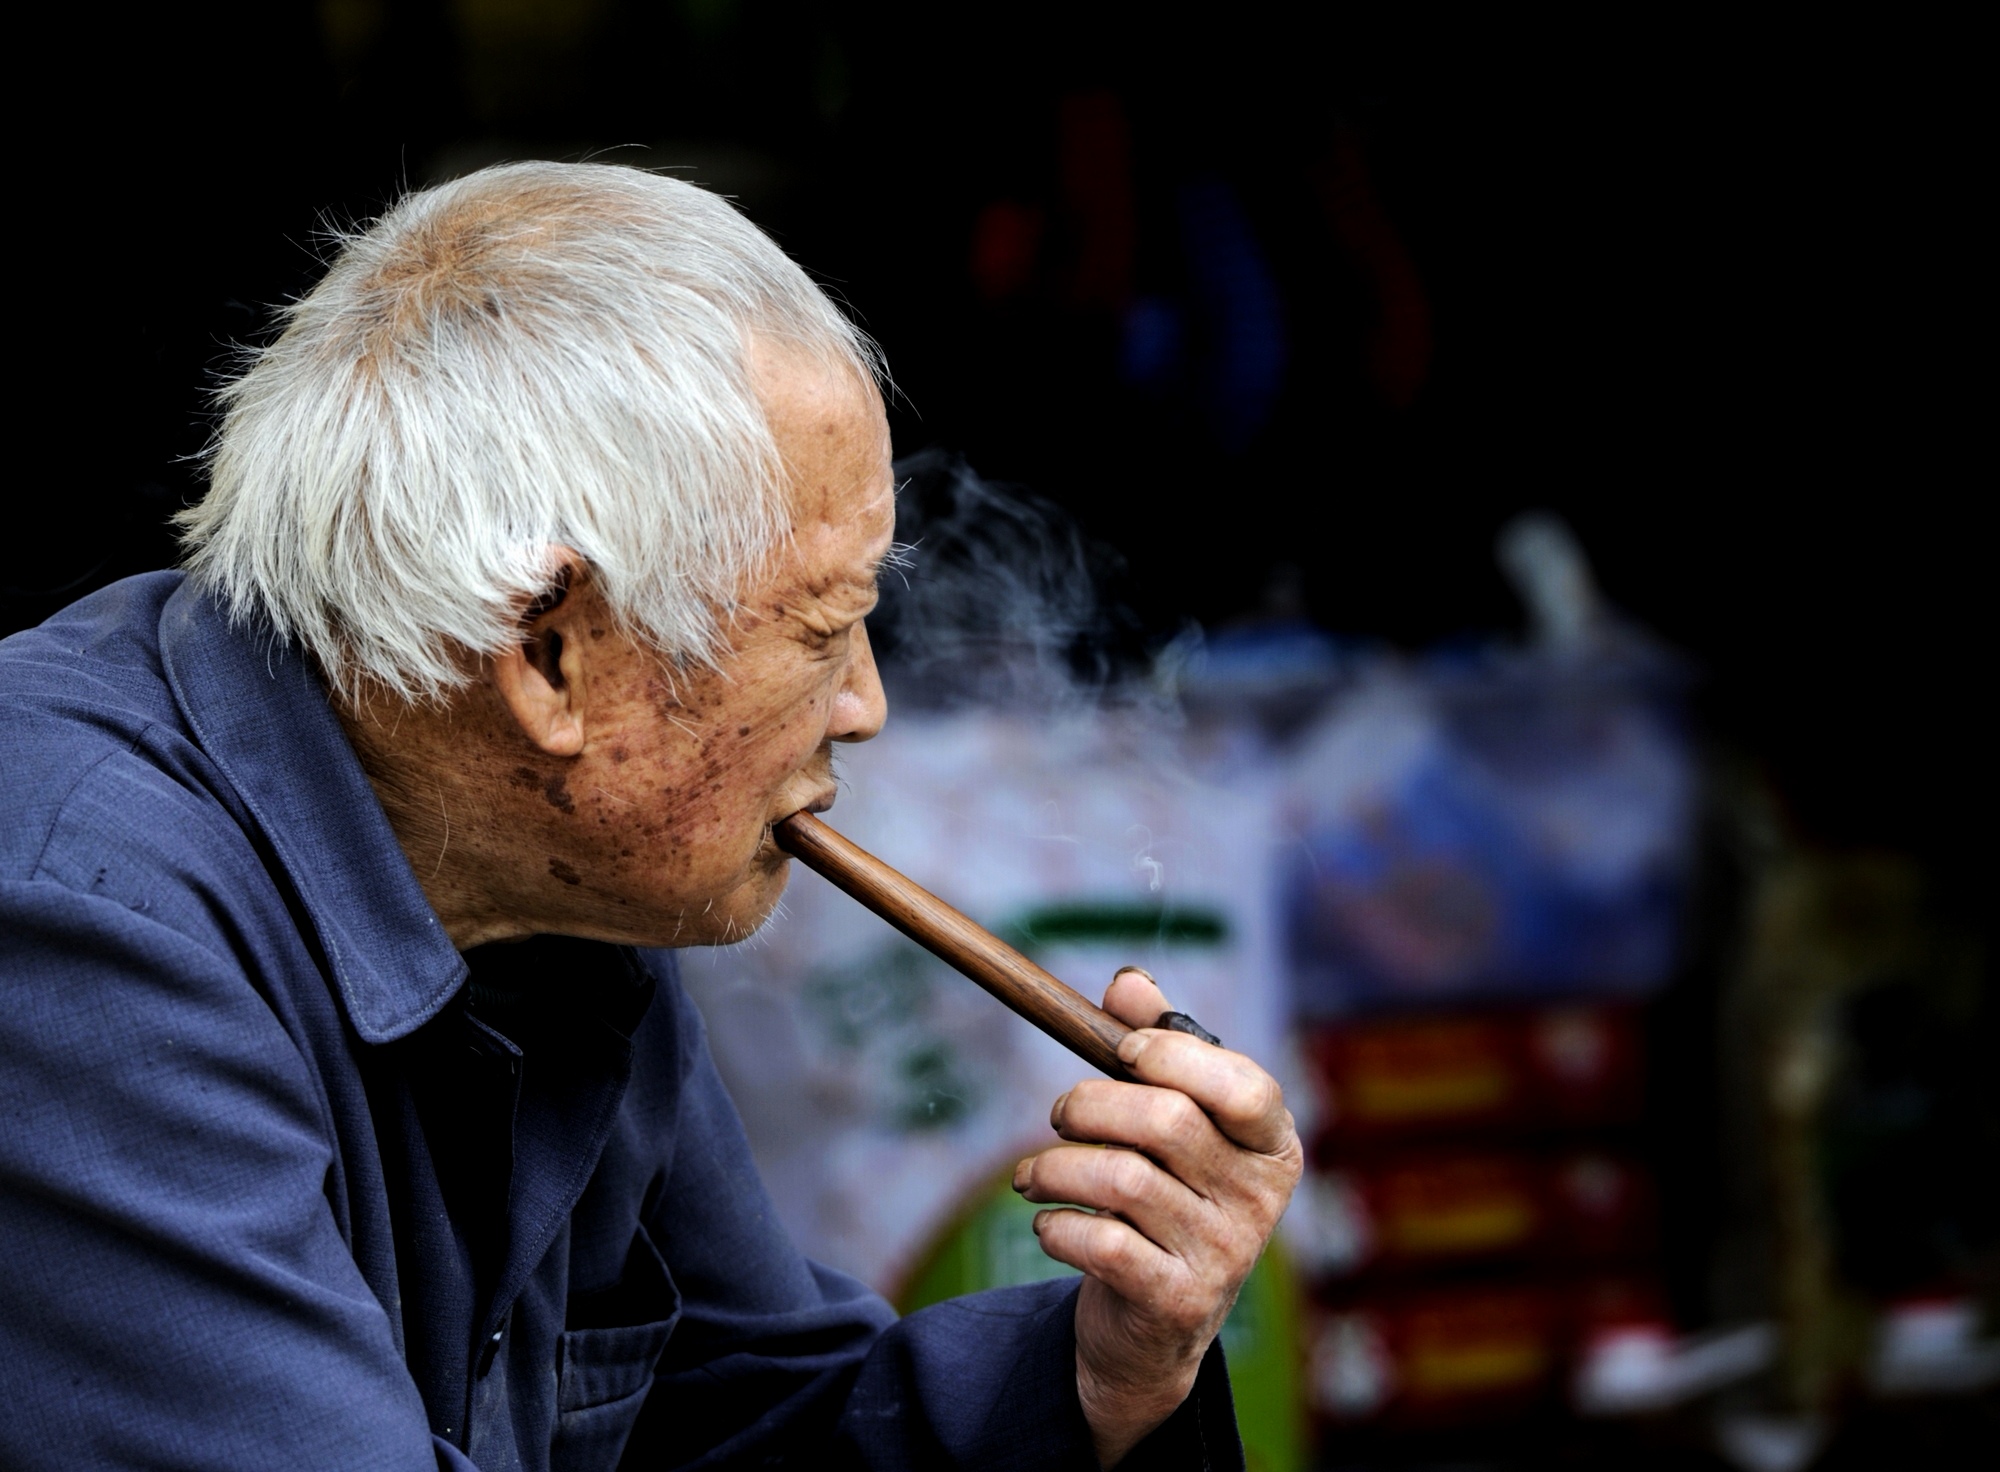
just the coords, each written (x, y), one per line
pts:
(1004, 601)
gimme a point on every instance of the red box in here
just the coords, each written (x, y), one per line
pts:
(1439, 1356)
(1473, 1352)
(1478, 1073)
(1416, 1209)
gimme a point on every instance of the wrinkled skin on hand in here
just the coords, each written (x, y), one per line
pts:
(1209, 1158)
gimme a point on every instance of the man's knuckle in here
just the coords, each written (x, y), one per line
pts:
(1270, 1098)
(1272, 1207)
(1244, 1255)
(1111, 1251)
(1251, 1096)
(1130, 1174)
(1190, 1306)
(1181, 1120)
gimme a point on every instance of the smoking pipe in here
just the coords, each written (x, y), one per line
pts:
(1072, 1019)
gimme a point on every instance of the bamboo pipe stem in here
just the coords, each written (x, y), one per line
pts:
(1072, 1019)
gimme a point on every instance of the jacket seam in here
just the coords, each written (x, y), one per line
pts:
(35, 871)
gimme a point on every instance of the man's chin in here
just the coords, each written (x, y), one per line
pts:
(739, 916)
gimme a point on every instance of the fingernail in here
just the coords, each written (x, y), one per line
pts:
(1136, 971)
(1024, 1175)
(1132, 1045)
(1056, 1113)
(1040, 1217)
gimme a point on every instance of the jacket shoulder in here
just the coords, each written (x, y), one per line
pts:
(106, 792)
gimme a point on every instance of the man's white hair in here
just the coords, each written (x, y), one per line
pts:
(535, 354)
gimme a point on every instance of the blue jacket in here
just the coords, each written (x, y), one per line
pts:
(280, 1187)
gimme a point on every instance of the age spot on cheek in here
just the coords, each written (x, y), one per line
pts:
(556, 792)
(564, 872)
(662, 697)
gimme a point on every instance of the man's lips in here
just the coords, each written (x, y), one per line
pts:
(819, 804)
(768, 851)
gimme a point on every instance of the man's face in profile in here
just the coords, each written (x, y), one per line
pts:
(662, 821)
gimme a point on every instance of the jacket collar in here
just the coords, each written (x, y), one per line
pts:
(259, 711)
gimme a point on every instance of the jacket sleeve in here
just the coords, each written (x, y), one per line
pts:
(174, 1289)
(780, 1362)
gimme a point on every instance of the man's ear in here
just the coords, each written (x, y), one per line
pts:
(541, 678)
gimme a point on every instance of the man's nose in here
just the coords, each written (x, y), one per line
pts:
(861, 707)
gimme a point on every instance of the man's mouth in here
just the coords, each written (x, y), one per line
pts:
(819, 804)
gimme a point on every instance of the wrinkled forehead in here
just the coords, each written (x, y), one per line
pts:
(843, 542)
(832, 437)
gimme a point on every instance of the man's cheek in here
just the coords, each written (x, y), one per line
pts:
(780, 745)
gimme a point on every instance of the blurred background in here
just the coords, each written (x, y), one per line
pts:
(1446, 539)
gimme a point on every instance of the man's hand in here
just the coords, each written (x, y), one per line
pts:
(1183, 1211)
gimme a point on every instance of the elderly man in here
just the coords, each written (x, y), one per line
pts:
(353, 1115)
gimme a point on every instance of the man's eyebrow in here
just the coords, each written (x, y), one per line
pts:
(893, 558)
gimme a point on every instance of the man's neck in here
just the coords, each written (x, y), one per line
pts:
(424, 764)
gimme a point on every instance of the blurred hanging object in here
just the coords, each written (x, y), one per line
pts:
(1542, 558)
(1096, 218)
(1006, 244)
(1239, 310)
(1095, 158)
(1400, 341)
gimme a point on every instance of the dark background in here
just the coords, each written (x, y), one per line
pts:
(1294, 310)
(1698, 284)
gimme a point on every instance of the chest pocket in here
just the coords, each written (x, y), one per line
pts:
(605, 1359)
